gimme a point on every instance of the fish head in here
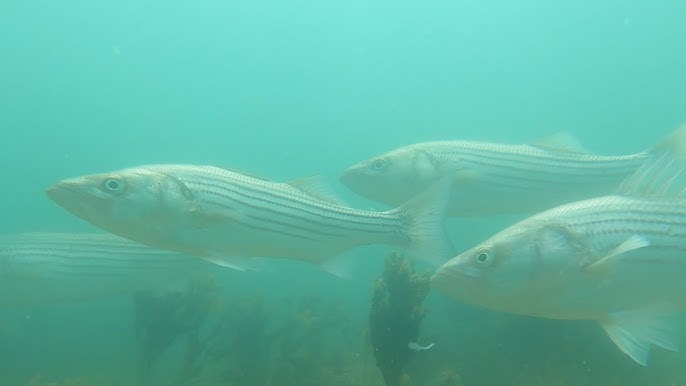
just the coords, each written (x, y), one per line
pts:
(504, 273)
(393, 177)
(129, 203)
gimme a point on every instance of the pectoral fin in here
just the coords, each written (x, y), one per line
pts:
(632, 243)
(636, 331)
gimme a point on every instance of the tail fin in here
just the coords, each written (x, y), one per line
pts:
(424, 216)
(664, 172)
(673, 143)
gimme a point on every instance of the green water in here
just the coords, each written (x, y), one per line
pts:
(287, 89)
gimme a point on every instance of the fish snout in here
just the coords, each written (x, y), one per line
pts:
(447, 275)
(347, 177)
(438, 279)
(62, 188)
(357, 177)
(69, 192)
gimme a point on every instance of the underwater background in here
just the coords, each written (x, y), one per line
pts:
(289, 89)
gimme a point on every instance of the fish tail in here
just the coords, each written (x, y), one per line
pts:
(673, 143)
(424, 216)
(663, 174)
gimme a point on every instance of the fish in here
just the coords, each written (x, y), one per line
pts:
(39, 268)
(230, 218)
(619, 260)
(414, 346)
(493, 178)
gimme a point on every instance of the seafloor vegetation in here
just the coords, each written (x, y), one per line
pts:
(394, 318)
(200, 336)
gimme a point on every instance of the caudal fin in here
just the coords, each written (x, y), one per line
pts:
(424, 216)
(664, 172)
(673, 143)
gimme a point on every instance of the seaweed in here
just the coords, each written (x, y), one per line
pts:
(161, 319)
(255, 343)
(395, 316)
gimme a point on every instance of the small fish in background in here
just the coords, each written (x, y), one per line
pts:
(414, 346)
(229, 217)
(619, 260)
(493, 178)
(47, 268)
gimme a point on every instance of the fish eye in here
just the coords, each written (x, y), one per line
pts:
(112, 184)
(482, 257)
(378, 164)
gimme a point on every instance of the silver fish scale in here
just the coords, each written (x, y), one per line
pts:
(235, 191)
(605, 221)
(82, 254)
(528, 159)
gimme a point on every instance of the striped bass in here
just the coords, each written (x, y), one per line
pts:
(493, 178)
(41, 268)
(226, 216)
(619, 260)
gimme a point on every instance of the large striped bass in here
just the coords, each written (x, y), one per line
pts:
(225, 216)
(619, 260)
(493, 178)
(43, 268)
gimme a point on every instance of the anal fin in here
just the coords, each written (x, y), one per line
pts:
(338, 265)
(636, 331)
(234, 262)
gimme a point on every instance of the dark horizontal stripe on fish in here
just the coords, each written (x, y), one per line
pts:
(308, 232)
(333, 222)
(53, 258)
(569, 168)
(73, 251)
(631, 208)
(525, 152)
(640, 226)
(124, 247)
(309, 204)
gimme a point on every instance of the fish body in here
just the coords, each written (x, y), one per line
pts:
(619, 260)
(223, 215)
(414, 346)
(44, 268)
(552, 258)
(491, 178)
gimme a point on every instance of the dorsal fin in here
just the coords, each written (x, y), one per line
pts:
(315, 186)
(562, 141)
(664, 173)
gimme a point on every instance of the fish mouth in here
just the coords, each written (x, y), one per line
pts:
(353, 173)
(347, 177)
(446, 279)
(454, 286)
(63, 190)
(73, 195)
(440, 279)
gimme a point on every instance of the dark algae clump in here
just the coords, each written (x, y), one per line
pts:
(395, 315)
(162, 319)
